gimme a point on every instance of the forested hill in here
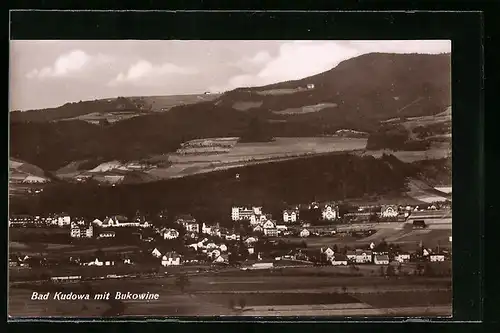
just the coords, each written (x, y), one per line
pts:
(356, 94)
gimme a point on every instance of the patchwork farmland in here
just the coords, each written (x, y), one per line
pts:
(212, 154)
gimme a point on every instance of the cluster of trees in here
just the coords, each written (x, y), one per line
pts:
(395, 137)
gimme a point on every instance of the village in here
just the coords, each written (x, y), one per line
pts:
(255, 241)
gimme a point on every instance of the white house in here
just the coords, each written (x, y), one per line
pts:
(258, 228)
(436, 257)
(63, 220)
(310, 86)
(97, 222)
(251, 250)
(156, 253)
(223, 247)
(402, 257)
(171, 259)
(170, 234)
(269, 228)
(223, 258)
(290, 216)
(381, 259)
(363, 256)
(328, 252)
(329, 212)
(389, 211)
(250, 240)
(304, 233)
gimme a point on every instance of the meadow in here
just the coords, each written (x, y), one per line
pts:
(250, 153)
(214, 296)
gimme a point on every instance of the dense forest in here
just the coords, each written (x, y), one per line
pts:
(210, 196)
(395, 137)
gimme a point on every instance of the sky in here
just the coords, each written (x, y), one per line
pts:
(53, 72)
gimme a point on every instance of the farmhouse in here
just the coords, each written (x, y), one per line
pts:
(389, 212)
(171, 259)
(363, 256)
(328, 252)
(310, 86)
(381, 259)
(330, 212)
(339, 260)
(290, 216)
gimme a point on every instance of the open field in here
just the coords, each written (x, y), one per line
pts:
(405, 237)
(112, 117)
(212, 295)
(250, 153)
(423, 192)
(412, 156)
(306, 109)
(164, 103)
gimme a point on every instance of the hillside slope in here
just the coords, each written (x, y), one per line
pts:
(373, 86)
(364, 90)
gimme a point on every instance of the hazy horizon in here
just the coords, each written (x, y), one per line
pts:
(70, 71)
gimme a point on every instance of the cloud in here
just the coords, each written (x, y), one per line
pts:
(143, 70)
(260, 58)
(67, 64)
(300, 59)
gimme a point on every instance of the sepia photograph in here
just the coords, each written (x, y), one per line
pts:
(230, 178)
